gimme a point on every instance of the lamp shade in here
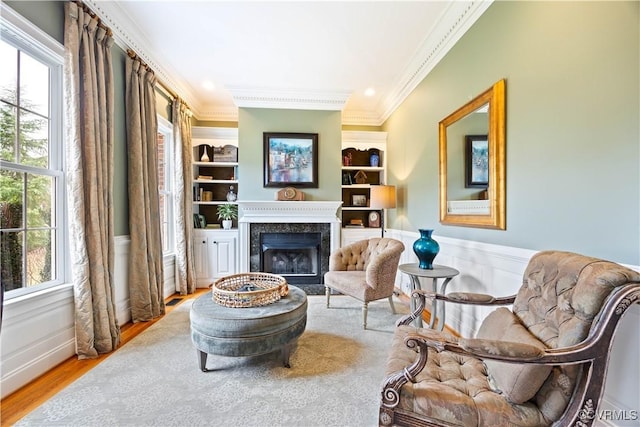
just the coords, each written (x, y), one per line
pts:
(383, 197)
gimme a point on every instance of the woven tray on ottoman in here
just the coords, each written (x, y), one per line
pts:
(249, 289)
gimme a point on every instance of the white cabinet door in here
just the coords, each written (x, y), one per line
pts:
(214, 254)
(223, 256)
(201, 257)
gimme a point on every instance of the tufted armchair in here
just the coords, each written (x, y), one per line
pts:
(542, 363)
(365, 270)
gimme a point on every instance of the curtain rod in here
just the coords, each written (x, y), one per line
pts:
(95, 16)
(135, 57)
(163, 86)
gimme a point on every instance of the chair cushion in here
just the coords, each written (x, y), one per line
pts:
(517, 382)
(454, 388)
(352, 283)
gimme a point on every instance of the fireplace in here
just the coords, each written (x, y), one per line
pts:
(297, 236)
(296, 256)
(298, 252)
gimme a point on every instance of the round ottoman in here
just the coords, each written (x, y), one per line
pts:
(225, 331)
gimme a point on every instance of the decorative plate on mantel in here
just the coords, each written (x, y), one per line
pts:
(289, 193)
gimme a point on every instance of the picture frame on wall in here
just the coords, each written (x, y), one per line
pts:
(290, 159)
(476, 161)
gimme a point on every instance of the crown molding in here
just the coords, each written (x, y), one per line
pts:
(218, 113)
(361, 118)
(288, 99)
(454, 22)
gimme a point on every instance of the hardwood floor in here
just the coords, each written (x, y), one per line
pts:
(26, 399)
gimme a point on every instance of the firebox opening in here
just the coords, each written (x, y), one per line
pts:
(293, 255)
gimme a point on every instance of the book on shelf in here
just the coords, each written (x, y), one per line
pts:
(354, 226)
(207, 177)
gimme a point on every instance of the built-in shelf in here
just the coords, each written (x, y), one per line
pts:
(359, 174)
(220, 171)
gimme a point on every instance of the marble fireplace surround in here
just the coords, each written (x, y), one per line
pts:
(290, 215)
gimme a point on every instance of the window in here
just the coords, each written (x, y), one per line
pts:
(165, 183)
(32, 218)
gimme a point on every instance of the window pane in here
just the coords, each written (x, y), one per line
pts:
(11, 259)
(34, 85)
(8, 81)
(31, 179)
(39, 201)
(11, 199)
(8, 140)
(39, 257)
(34, 140)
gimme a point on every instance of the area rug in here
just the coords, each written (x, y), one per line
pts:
(336, 372)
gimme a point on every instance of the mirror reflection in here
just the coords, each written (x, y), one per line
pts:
(472, 162)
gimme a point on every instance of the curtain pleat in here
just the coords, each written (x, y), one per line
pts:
(88, 96)
(183, 206)
(145, 261)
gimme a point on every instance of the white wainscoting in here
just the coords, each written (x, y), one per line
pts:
(38, 329)
(498, 270)
(37, 334)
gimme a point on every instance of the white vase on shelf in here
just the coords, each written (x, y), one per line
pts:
(205, 156)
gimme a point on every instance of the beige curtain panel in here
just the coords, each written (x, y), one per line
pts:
(183, 206)
(145, 260)
(88, 97)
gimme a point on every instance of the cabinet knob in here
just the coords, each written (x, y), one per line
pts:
(204, 241)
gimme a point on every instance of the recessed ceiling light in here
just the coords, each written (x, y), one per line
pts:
(208, 85)
(370, 92)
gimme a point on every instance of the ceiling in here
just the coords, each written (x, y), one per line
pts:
(319, 55)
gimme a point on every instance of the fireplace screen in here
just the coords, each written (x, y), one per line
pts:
(290, 254)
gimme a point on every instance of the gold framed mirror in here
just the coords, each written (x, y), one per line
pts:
(472, 162)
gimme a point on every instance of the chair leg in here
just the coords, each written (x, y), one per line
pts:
(327, 291)
(393, 308)
(365, 309)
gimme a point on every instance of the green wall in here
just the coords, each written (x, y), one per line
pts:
(46, 15)
(572, 127)
(252, 122)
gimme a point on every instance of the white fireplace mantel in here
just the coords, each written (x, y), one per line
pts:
(264, 211)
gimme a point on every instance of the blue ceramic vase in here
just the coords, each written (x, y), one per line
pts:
(426, 249)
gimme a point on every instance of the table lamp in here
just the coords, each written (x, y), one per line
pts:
(382, 197)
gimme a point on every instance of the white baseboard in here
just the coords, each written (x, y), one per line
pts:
(37, 334)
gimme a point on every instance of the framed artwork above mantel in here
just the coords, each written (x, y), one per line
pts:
(290, 159)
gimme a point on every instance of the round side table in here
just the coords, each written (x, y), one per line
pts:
(438, 272)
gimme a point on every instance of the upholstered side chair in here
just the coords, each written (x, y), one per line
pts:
(365, 270)
(542, 363)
